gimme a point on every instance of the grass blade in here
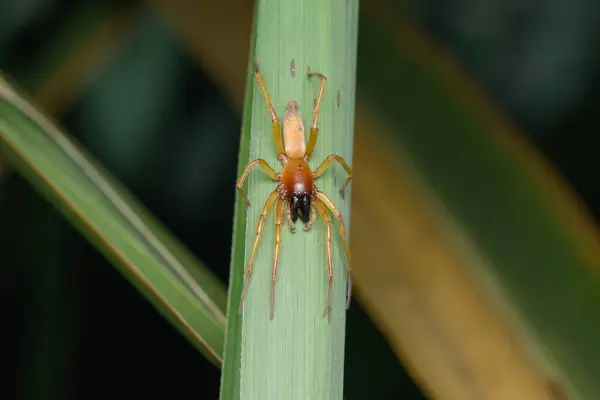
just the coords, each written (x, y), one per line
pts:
(518, 272)
(187, 294)
(298, 355)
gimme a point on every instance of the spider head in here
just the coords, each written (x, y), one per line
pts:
(300, 206)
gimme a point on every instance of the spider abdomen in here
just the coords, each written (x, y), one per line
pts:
(297, 177)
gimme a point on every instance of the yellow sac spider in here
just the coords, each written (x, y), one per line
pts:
(296, 189)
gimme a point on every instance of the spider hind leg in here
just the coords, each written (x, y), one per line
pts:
(274, 119)
(314, 130)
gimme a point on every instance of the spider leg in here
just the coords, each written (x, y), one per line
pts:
(266, 168)
(327, 162)
(288, 213)
(259, 228)
(336, 213)
(313, 217)
(275, 121)
(278, 223)
(327, 220)
(314, 130)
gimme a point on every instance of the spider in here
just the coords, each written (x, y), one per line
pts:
(296, 190)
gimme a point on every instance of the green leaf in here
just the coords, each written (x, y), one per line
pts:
(515, 223)
(298, 354)
(182, 289)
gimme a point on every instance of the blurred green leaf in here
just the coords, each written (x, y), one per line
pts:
(539, 245)
(167, 274)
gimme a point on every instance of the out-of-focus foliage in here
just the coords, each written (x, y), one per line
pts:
(107, 215)
(537, 61)
(148, 146)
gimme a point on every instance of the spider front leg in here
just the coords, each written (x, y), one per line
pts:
(314, 130)
(338, 215)
(278, 223)
(266, 168)
(259, 229)
(325, 216)
(327, 162)
(274, 119)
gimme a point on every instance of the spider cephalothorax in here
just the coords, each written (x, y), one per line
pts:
(296, 189)
(297, 186)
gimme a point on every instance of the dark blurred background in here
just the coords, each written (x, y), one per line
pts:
(73, 327)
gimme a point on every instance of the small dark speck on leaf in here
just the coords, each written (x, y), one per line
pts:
(293, 68)
(338, 99)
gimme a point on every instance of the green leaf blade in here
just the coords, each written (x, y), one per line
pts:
(162, 270)
(298, 354)
(539, 247)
